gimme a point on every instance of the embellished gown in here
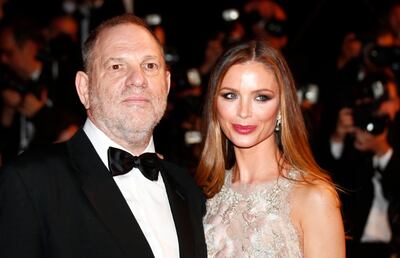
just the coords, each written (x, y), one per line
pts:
(252, 221)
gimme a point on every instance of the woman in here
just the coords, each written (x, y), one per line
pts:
(267, 196)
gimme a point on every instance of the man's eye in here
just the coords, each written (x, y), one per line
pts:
(115, 67)
(151, 66)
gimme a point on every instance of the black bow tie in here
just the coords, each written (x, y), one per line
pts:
(121, 162)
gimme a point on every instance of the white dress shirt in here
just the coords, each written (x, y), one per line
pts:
(147, 199)
(336, 149)
(377, 228)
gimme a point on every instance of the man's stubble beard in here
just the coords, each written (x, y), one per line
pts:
(134, 130)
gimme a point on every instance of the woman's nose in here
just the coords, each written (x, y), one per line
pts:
(244, 108)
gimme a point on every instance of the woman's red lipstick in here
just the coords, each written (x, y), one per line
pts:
(244, 129)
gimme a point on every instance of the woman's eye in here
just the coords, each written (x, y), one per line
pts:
(228, 95)
(263, 98)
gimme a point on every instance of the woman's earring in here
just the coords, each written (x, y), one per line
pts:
(278, 123)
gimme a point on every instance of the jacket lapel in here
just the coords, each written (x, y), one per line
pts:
(180, 212)
(106, 198)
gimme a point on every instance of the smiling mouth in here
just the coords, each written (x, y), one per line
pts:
(244, 129)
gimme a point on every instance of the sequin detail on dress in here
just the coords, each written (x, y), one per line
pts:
(252, 221)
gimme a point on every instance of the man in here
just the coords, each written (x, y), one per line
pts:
(63, 201)
(365, 161)
(36, 106)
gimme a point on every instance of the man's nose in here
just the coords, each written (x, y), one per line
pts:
(136, 77)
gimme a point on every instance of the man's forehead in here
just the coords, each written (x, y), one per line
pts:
(129, 30)
(129, 37)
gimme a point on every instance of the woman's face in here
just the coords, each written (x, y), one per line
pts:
(248, 105)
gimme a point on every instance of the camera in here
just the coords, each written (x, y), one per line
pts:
(368, 96)
(385, 57)
(9, 80)
(308, 92)
(229, 15)
(365, 119)
(153, 19)
(274, 27)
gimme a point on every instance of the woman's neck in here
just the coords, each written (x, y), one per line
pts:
(255, 165)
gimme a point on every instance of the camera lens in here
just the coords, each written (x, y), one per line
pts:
(365, 120)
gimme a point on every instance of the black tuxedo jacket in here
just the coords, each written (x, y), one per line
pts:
(354, 172)
(363, 193)
(61, 201)
(361, 199)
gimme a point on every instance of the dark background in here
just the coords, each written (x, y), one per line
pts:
(315, 27)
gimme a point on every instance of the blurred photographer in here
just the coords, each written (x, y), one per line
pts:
(366, 163)
(360, 57)
(266, 20)
(256, 19)
(176, 135)
(374, 51)
(308, 94)
(28, 113)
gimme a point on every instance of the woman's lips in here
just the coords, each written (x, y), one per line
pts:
(244, 129)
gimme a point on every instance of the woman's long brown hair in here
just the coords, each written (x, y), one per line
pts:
(217, 154)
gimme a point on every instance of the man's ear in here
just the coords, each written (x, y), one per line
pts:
(82, 87)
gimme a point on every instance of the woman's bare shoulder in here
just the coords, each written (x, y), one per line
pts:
(315, 195)
(316, 212)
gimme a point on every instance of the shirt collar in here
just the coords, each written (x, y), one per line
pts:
(101, 142)
(35, 75)
(383, 160)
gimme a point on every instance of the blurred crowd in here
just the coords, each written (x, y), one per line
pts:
(352, 114)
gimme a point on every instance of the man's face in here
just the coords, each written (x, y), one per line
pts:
(365, 141)
(15, 57)
(128, 84)
(391, 106)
